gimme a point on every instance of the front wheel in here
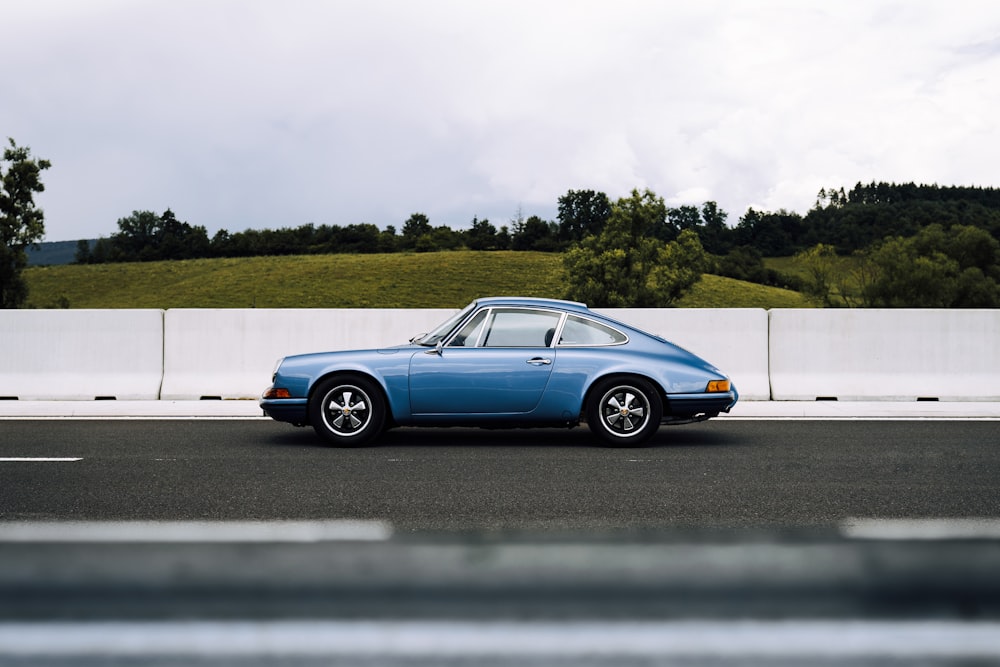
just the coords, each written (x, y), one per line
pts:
(624, 412)
(347, 411)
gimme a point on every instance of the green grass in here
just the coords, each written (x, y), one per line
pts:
(844, 275)
(719, 292)
(422, 280)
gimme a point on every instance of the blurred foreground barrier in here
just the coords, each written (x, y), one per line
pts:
(880, 355)
(136, 570)
(231, 353)
(734, 339)
(81, 354)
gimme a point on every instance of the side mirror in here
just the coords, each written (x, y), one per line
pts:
(437, 349)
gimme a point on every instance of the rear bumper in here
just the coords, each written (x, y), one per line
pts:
(696, 407)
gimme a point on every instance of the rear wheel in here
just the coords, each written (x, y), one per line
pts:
(347, 411)
(624, 412)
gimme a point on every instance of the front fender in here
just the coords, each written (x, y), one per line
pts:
(389, 368)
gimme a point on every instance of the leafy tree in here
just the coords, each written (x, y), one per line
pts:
(136, 236)
(83, 254)
(446, 238)
(387, 240)
(747, 263)
(534, 234)
(777, 234)
(503, 238)
(482, 235)
(21, 222)
(905, 279)
(360, 238)
(681, 264)
(821, 267)
(935, 270)
(684, 217)
(145, 236)
(416, 226)
(714, 233)
(626, 266)
(581, 213)
(100, 252)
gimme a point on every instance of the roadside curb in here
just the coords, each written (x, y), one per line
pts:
(248, 409)
(988, 410)
(242, 409)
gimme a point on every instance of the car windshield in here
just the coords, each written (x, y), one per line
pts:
(431, 339)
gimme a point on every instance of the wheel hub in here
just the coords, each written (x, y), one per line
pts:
(625, 411)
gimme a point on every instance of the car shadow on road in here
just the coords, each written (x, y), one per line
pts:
(580, 437)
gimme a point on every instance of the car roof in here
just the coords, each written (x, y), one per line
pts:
(531, 301)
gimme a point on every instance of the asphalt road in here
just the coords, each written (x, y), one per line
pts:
(520, 594)
(725, 473)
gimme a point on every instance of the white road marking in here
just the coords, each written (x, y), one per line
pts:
(38, 459)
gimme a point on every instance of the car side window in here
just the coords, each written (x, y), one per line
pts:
(580, 331)
(513, 327)
(469, 334)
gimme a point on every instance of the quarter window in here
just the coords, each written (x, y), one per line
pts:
(580, 331)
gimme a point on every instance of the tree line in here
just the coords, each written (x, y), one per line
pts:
(912, 245)
(147, 236)
(846, 221)
(854, 220)
(908, 245)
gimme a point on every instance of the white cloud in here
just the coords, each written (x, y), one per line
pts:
(263, 114)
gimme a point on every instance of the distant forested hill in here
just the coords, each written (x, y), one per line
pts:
(53, 253)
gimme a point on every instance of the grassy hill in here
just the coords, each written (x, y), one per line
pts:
(423, 280)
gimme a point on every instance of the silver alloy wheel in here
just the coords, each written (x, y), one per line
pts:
(624, 411)
(346, 410)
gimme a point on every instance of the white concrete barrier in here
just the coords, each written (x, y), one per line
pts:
(230, 353)
(869, 355)
(733, 339)
(81, 354)
(858, 354)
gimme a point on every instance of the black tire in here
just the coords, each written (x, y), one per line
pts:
(624, 412)
(347, 411)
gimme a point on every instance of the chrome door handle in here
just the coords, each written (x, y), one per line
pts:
(539, 361)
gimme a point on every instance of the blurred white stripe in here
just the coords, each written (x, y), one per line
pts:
(735, 639)
(921, 529)
(195, 531)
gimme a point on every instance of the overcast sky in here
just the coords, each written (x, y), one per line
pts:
(244, 114)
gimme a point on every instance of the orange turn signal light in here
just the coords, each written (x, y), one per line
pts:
(718, 386)
(277, 392)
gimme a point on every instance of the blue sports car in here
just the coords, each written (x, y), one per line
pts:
(504, 362)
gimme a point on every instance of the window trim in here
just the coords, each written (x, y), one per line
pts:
(479, 339)
(468, 320)
(560, 326)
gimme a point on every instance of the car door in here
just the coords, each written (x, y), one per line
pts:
(497, 364)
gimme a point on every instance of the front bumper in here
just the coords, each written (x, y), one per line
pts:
(292, 410)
